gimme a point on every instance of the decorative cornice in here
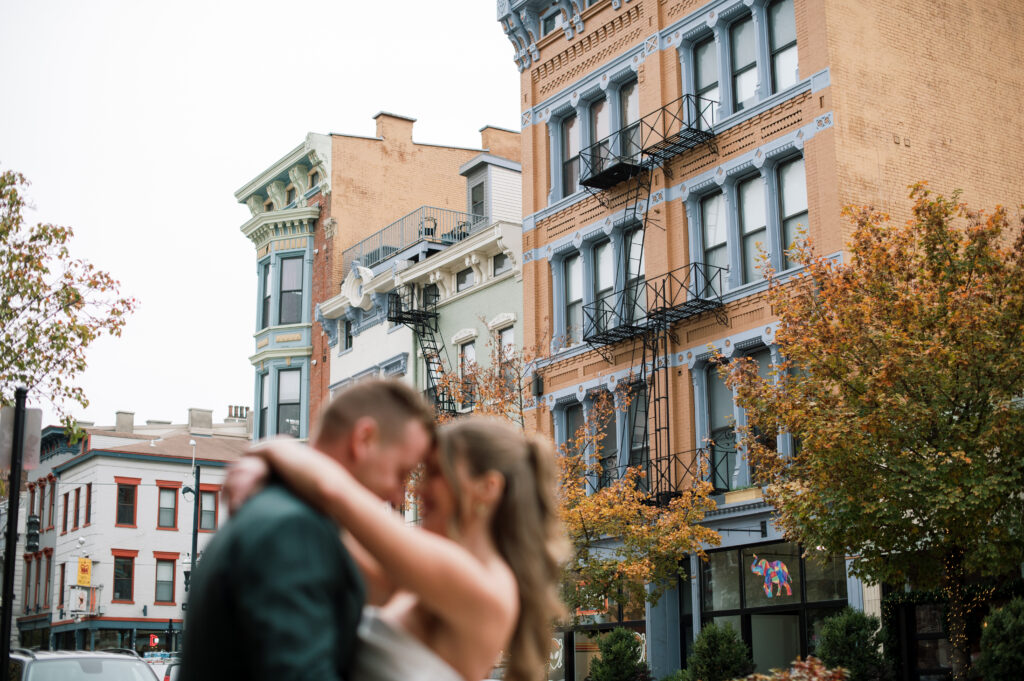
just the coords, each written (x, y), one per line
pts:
(313, 153)
(280, 353)
(265, 227)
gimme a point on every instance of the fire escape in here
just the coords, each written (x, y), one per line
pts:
(422, 320)
(645, 309)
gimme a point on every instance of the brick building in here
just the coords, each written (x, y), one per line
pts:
(663, 140)
(326, 195)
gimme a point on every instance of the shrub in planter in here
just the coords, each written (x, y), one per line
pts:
(1002, 642)
(620, 658)
(719, 654)
(850, 640)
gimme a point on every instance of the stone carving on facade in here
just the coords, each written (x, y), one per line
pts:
(299, 175)
(440, 279)
(330, 326)
(255, 204)
(275, 190)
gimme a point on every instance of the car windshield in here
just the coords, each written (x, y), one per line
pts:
(89, 669)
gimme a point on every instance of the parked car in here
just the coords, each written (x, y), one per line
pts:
(172, 671)
(77, 665)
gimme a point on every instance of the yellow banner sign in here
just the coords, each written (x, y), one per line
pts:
(84, 572)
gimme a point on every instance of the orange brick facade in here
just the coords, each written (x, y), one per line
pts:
(888, 92)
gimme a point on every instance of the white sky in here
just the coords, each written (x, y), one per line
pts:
(136, 120)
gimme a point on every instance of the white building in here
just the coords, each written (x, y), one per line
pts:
(116, 499)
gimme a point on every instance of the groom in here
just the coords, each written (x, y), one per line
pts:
(277, 595)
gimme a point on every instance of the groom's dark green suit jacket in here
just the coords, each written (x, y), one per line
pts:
(276, 597)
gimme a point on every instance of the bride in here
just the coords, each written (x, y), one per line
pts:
(480, 581)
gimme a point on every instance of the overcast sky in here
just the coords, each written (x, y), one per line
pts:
(137, 120)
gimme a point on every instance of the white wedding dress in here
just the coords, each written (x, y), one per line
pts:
(387, 652)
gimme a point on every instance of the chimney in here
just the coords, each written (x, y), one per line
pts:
(393, 128)
(200, 419)
(500, 142)
(124, 421)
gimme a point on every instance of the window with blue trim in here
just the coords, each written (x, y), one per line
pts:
(766, 209)
(266, 292)
(264, 404)
(723, 414)
(758, 58)
(573, 266)
(289, 398)
(291, 291)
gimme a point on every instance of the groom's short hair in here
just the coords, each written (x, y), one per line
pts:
(390, 403)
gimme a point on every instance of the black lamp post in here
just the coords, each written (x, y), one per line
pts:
(194, 491)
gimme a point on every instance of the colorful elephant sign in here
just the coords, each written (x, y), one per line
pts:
(776, 575)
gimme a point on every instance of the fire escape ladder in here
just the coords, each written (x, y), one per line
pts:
(645, 309)
(422, 320)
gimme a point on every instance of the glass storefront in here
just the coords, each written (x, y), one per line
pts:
(775, 595)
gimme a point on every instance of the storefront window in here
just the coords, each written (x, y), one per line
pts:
(721, 581)
(774, 639)
(774, 595)
(772, 575)
(825, 576)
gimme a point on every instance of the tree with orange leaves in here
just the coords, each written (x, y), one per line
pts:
(902, 385)
(627, 547)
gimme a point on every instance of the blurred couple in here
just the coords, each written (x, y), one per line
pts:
(314, 577)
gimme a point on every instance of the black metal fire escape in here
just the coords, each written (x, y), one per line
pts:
(645, 309)
(422, 319)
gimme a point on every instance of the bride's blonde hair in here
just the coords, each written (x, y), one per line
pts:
(525, 526)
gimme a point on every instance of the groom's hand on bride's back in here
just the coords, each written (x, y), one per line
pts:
(245, 478)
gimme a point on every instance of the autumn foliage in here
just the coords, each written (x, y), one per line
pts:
(52, 306)
(901, 385)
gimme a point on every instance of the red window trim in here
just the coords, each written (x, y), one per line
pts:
(64, 522)
(63, 574)
(123, 553)
(88, 505)
(78, 508)
(28, 580)
(132, 482)
(171, 485)
(49, 577)
(53, 499)
(211, 487)
(172, 558)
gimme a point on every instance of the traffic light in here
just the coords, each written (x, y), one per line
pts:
(31, 534)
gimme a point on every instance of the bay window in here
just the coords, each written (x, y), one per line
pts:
(291, 291)
(288, 402)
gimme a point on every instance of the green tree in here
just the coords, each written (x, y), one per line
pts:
(850, 640)
(621, 658)
(1002, 642)
(52, 306)
(902, 379)
(719, 654)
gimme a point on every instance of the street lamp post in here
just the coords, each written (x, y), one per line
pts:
(195, 493)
